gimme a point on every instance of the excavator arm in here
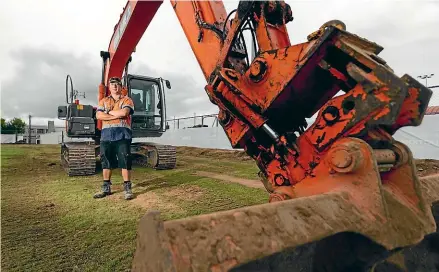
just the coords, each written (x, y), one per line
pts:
(342, 179)
(134, 20)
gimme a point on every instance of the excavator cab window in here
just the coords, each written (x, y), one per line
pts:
(142, 100)
(147, 95)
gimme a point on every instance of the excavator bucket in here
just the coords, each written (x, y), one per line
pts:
(360, 221)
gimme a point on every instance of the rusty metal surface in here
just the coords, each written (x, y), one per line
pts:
(360, 203)
(384, 156)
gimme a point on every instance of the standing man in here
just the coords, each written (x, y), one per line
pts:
(115, 112)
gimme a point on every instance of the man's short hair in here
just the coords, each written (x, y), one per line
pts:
(116, 80)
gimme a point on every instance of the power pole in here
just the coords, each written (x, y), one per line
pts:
(30, 130)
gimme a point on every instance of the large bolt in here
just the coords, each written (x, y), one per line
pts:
(258, 70)
(279, 180)
(255, 69)
(345, 157)
(341, 158)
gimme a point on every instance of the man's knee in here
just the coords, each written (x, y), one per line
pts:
(124, 155)
(126, 161)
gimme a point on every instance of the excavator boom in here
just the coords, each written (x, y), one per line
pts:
(342, 179)
(136, 17)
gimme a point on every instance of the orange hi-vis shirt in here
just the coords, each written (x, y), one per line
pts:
(113, 130)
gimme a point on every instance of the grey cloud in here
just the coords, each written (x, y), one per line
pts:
(406, 30)
(38, 85)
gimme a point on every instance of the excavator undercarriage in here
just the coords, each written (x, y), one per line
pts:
(157, 156)
(82, 158)
(79, 158)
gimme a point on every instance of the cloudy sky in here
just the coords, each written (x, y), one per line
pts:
(43, 41)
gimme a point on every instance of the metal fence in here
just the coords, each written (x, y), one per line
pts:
(206, 120)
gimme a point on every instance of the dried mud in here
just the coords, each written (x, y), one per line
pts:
(427, 167)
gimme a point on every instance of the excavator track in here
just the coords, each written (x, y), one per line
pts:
(156, 156)
(78, 159)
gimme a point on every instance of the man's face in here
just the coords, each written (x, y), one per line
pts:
(115, 88)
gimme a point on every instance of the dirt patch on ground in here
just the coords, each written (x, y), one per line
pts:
(151, 200)
(427, 167)
(213, 153)
(185, 192)
(146, 200)
(165, 202)
(246, 182)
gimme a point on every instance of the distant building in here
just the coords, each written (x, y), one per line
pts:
(38, 130)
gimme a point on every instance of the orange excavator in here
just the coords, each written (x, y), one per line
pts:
(343, 193)
(148, 120)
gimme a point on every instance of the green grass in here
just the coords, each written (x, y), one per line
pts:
(50, 222)
(241, 169)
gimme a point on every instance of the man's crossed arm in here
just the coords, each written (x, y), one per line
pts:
(120, 113)
(100, 115)
(112, 115)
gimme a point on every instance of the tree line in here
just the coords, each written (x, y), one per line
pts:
(13, 126)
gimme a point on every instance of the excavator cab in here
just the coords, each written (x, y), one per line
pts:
(148, 95)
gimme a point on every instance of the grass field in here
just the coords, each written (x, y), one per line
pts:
(51, 222)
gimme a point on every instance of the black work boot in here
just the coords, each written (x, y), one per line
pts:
(106, 190)
(128, 192)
